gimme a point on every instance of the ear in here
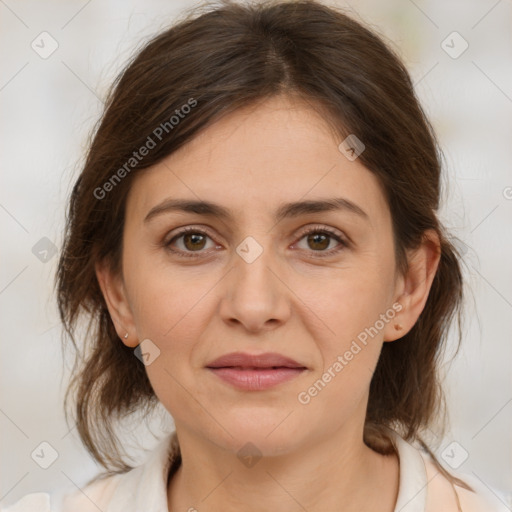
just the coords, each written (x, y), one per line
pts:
(412, 289)
(113, 289)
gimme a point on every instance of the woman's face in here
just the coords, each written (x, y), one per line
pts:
(253, 281)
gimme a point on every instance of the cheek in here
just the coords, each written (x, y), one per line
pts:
(163, 296)
(353, 300)
(168, 307)
(355, 309)
(168, 314)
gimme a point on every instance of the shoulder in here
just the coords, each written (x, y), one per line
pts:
(92, 497)
(424, 487)
(441, 492)
(141, 488)
(96, 495)
(39, 501)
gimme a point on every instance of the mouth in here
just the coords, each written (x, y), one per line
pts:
(255, 372)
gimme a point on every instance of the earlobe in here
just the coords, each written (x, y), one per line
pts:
(114, 293)
(415, 286)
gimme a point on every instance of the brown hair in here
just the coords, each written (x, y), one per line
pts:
(229, 56)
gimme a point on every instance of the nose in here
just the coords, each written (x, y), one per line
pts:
(254, 294)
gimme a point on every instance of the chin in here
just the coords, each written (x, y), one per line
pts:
(267, 433)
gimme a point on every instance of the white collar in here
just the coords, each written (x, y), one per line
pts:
(145, 487)
(412, 487)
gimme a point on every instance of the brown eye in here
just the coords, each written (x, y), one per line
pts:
(193, 241)
(318, 241)
(188, 241)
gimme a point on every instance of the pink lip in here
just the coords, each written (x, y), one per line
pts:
(255, 372)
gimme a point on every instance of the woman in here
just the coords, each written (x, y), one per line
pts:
(254, 239)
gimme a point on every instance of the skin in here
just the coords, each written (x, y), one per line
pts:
(289, 300)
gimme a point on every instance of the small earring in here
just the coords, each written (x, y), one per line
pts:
(126, 336)
(398, 327)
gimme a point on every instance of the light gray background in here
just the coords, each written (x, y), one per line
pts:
(48, 108)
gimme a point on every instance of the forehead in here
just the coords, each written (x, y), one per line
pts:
(254, 160)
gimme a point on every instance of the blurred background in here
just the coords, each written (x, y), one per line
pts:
(59, 59)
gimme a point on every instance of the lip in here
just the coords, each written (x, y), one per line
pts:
(255, 372)
(267, 360)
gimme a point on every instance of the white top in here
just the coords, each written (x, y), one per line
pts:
(422, 488)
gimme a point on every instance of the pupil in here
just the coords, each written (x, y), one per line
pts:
(315, 239)
(195, 238)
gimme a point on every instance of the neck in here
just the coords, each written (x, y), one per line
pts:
(336, 473)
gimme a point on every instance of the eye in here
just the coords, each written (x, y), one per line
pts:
(193, 241)
(319, 238)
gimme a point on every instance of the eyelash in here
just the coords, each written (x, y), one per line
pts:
(315, 229)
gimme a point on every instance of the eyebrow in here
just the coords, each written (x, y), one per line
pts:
(287, 210)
